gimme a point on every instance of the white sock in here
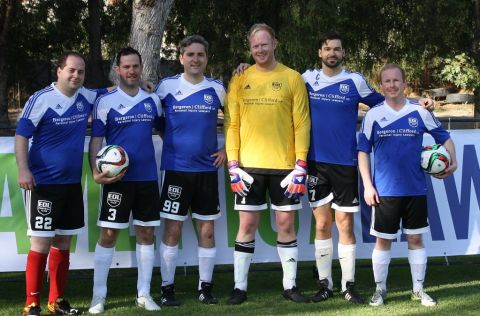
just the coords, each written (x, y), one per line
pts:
(288, 253)
(346, 254)
(206, 263)
(380, 263)
(168, 263)
(145, 257)
(418, 266)
(102, 261)
(323, 257)
(241, 265)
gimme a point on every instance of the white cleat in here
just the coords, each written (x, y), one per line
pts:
(147, 302)
(97, 306)
(424, 298)
(377, 298)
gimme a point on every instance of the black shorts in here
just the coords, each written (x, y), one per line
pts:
(410, 210)
(195, 190)
(120, 198)
(55, 209)
(333, 183)
(256, 198)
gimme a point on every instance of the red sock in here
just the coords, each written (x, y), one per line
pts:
(34, 272)
(58, 264)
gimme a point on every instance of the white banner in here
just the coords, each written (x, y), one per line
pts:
(454, 218)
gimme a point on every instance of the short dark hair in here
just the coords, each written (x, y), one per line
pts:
(328, 36)
(189, 40)
(125, 52)
(62, 59)
(391, 66)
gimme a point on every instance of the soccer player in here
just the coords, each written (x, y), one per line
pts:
(50, 173)
(267, 130)
(125, 117)
(190, 158)
(394, 130)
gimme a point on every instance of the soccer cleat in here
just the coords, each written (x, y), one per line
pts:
(62, 307)
(31, 310)
(351, 295)
(205, 294)
(377, 298)
(424, 298)
(97, 306)
(237, 297)
(168, 296)
(324, 293)
(294, 295)
(147, 302)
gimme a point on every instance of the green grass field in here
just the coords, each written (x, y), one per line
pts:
(456, 286)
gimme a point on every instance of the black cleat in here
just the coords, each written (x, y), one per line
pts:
(168, 296)
(205, 294)
(324, 293)
(237, 297)
(32, 310)
(351, 295)
(294, 294)
(62, 307)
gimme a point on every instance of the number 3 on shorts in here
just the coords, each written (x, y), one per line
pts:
(171, 207)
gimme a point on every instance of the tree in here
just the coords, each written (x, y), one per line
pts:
(95, 77)
(148, 23)
(7, 10)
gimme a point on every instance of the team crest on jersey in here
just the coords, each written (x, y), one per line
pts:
(114, 199)
(148, 107)
(44, 207)
(208, 98)
(79, 106)
(312, 181)
(174, 192)
(413, 121)
(276, 86)
(344, 88)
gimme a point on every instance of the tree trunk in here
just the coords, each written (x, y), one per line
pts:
(94, 76)
(148, 23)
(6, 14)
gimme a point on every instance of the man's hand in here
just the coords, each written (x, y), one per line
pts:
(25, 179)
(239, 179)
(103, 178)
(427, 104)
(295, 181)
(371, 196)
(220, 157)
(241, 68)
(147, 86)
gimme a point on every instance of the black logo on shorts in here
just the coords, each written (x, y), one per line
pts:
(174, 192)
(44, 207)
(114, 199)
(312, 181)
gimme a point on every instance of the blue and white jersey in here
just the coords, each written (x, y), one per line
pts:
(334, 111)
(190, 110)
(57, 124)
(396, 138)
(128, 121)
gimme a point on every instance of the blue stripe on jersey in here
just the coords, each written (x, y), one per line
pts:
(396, 139)
(33, 99)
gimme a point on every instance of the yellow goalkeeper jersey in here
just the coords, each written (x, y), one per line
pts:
(267, 122)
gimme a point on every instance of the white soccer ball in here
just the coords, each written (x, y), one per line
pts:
(113, 159)
(435, 159)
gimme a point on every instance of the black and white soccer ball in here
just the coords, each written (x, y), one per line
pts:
(435, 159)
(113, 159)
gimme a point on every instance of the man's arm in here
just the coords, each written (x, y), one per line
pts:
(450, 146)
(370, 193)
(25, 177)
(100, 178)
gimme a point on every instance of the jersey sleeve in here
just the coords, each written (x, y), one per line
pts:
(301, 118)
(368, 94)
(31, 115)
(434, 127)
(365, 137)
(99, 119)
(220, 90)
(232, 119)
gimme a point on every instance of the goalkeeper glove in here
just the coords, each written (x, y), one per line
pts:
(295, 181)
(239, 179)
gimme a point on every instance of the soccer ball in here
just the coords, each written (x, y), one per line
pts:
(435, 159)
(113, 159)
